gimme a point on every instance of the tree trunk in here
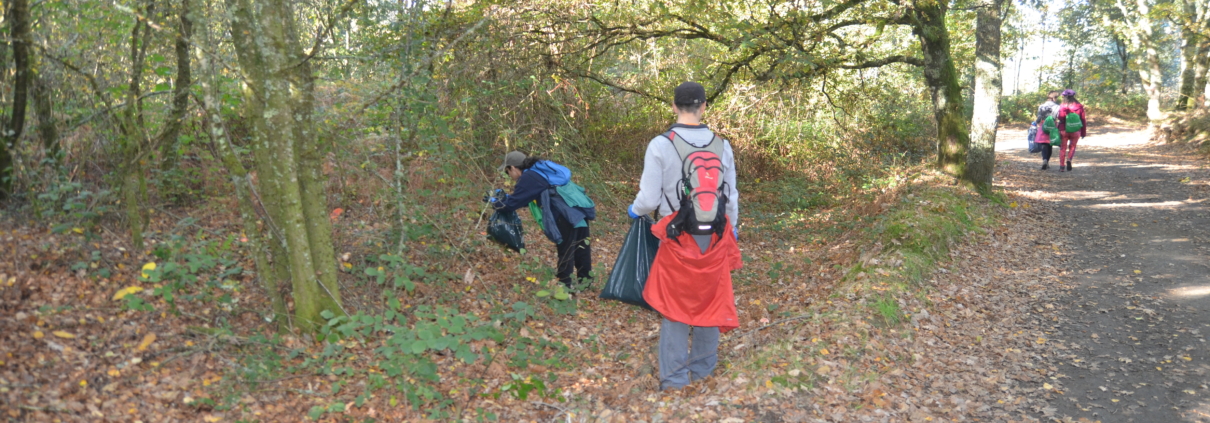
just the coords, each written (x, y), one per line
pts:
(942, 80)
(243, 187)
(180, 92)
(1152, 76)
(44, 110)
(981, 160)
(1124, 57)
(1143, 40)
(1071, 69)
(311, 179)
(1042, 50)
(132, 134)
(279, 97)
(19, 18)
(1190, 51)
(1201, 68)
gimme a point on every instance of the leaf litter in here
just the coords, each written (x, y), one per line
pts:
(973, 343)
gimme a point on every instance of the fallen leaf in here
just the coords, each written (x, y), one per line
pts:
(1047, 386)
(146, 268)
(823, 351)
(336, 213)
(147, 340)
(38, 334)
(127, 291)
(63, 334)
(1137, 271)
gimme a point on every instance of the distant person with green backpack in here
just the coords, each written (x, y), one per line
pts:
(1048, 134)
(1073, 125)
(561, 208)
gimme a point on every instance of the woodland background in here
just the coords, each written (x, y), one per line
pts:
(297, 179)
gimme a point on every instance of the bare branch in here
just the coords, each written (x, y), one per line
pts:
(915, 61)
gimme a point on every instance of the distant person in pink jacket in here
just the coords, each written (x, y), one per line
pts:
(1073, 125)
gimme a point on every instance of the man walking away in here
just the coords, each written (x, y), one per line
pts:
(689, 179)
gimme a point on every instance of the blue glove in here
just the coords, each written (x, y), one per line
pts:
(735, 231)
(630, 211)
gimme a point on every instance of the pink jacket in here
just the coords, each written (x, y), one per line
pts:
(1076, 108)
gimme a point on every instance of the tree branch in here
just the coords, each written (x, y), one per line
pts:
(915, 61)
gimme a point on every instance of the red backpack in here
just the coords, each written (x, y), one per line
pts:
(702, 196)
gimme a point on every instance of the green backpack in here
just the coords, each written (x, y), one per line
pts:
(1051, 130)
(1073, 123)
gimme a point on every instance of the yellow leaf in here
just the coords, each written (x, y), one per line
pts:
(63, 334)
(1159, 368)
(823, 351)
(147, 340)
(38, 334)
(348, 265)
(83, 383)
(1137, 271)
(1186, 358)
(127, 291)
(77, 230)
(1012, 205)
(1115, 400)
(1041, 340)
(114, 373)
(1047, 386)
(147, 267)
(1134, 225)
(769, 384)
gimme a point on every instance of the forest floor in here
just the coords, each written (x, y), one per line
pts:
(1136, 218)
(1084, 298)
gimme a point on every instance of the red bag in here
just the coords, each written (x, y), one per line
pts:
(691, 287)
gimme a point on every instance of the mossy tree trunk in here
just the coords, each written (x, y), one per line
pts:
(927, 18)
(242, 181)
(981, 159)
(180, 91)
(279, 98)
(44, 111)
(1193, 23)
(133, 131)
(18, 17)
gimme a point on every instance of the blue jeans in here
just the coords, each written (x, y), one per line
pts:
(680, 364)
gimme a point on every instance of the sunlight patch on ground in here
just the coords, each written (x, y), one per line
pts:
(1160, 204)
(1089, 195)
(1190, 292)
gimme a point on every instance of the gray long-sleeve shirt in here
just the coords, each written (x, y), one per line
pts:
(662, 173)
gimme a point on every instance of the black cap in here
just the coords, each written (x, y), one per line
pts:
(689, 94)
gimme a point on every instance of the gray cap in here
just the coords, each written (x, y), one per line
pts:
(513, 158)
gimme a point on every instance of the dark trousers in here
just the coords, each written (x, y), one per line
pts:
(574, 252)
(1046, 152)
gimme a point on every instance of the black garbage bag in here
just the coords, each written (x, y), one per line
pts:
(505, 228)
(629, 274)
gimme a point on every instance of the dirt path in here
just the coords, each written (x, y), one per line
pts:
(1135, 323)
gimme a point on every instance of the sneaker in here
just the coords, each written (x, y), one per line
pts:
(1069, 165)
(1045, 166)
